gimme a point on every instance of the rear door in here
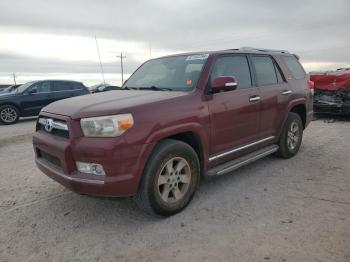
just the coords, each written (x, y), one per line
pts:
(234, 114)
(274, 92)
(61, 90)
(79, 89)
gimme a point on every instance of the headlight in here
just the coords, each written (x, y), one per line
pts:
(106, 126)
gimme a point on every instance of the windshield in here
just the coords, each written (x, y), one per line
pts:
(22, 88)
(179, 73)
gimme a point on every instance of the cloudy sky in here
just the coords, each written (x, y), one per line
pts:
(56, 39)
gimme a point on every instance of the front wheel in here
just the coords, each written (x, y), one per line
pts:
(291, 136)
(170, 178)
(8, 114)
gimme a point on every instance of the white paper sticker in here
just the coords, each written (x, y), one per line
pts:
(197, 57)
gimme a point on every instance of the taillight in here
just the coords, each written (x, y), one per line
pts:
(311, 86)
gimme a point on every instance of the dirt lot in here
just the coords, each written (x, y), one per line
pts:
(272, 210)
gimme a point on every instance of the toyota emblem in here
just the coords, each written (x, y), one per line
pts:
(49, 125)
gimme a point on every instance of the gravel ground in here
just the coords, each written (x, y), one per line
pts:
(19, 132)
(272, 210)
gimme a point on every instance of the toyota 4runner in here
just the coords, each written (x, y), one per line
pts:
(177, 119)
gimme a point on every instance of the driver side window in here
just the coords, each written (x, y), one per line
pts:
(236, 66)
(41, 87)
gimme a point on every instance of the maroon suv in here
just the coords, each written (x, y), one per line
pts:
(177, 119)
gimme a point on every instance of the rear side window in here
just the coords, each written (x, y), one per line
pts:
(76, 86)
(236, 66)
(265, 70)
(294, 67)
(61, 86)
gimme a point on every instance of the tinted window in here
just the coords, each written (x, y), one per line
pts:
(108, 88)
(294, 66)
(76, 85)
(41, 87)
(265, 70)
(236, 66)
(61, 86)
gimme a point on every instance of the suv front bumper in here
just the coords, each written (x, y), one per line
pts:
(122, 163)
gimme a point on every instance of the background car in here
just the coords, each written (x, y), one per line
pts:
(332, 91)
(103, 88)
(9, 89)
(30, 98)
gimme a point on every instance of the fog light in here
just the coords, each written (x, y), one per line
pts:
(90, 168)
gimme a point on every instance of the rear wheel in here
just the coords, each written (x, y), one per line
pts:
(291, 136)
(170, 178)
(8, 114)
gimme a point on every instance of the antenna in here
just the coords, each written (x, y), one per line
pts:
(99, 57)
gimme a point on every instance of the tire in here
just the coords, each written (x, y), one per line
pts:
(163, 189)
(291, 137)
(9, 114)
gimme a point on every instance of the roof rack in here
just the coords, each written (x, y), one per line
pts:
(248, 48)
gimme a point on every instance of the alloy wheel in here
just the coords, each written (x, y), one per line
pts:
(293, 136)
(8, 115)
(174, 180)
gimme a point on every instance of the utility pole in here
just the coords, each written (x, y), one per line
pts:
(150, 50)
(14, 78)
(121, 65)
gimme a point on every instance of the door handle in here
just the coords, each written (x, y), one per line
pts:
(286, 92)
(254, 98)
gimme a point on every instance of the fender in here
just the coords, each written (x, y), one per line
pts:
(193, 127)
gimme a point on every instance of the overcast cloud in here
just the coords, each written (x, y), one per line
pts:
(40, 36)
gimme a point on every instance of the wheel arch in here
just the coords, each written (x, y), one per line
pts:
(193, 140)
(12, 104)
(193, 135)
(300, 109)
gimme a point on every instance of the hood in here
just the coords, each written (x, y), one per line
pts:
(6, 95)
(332, 80)
(108, 103)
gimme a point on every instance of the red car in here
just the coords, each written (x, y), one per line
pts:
(178, 118)
(332, 91)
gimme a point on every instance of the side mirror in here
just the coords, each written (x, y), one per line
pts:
(224, 83)
(32, 91)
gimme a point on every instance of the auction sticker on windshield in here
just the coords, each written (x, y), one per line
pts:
(197, 57)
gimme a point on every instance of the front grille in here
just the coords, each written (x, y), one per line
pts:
(49, 158)
(55, 127)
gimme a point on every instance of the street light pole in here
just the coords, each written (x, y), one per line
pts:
(121, 65)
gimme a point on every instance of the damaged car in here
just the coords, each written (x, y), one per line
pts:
(332, 91)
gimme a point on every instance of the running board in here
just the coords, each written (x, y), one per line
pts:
(241, 161)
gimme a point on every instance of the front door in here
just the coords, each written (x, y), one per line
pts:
(235, 113)
(36, 97)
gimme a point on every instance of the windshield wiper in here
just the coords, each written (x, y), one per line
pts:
(149, 88)
(156, 88)
(130, 88)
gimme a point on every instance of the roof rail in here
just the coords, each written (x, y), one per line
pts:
(248, 48)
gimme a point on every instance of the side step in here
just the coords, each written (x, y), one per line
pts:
(241, 161)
